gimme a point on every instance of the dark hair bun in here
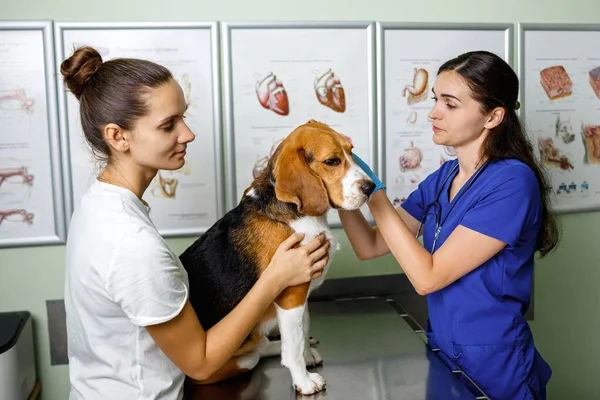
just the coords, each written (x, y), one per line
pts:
(79, 68)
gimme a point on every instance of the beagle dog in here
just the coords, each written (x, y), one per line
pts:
(311, 171)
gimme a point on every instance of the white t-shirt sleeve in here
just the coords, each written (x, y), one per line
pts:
(145, 279)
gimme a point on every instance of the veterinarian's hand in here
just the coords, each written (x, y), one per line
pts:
(293, 266)
(363, 165)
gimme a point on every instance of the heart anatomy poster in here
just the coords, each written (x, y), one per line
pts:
(410, 58)
(281, 76)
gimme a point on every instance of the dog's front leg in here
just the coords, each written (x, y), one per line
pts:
(312, 355)
(291, 306)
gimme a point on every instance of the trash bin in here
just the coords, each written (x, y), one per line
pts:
(17, 359)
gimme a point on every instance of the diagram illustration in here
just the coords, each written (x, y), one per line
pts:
(449, 153)
(272, 94)
(585, 187)
(412, 117)
(397, 201)
(413, 178)
(261, 163)
(417, 92)
(594, 79)
(556, 82)
(15, 176)
(330, 92)
(551, 155)
(563, 188)
(186, 85)
(17, 216)
(16, 100)
(564, 130)
(15, 182)
(449, 150)
(591, 139)
(411, 158)
(166, 186)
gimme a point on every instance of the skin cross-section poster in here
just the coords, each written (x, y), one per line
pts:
(560, 75)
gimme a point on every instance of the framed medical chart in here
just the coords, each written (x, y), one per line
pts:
(408, 59)
(31, 199)
(560, 100)
(186, 201)
(280, 75)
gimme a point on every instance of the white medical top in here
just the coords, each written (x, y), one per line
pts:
(120, 277)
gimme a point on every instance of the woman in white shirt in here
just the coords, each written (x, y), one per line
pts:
(132, 333)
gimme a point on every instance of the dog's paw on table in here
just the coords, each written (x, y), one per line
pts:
(310, 384)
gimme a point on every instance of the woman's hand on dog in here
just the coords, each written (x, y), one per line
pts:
(291, 266)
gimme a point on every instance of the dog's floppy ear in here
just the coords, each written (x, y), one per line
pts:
(296, 183)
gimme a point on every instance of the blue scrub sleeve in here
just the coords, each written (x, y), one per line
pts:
(415, 203)
(423, 195)
(512, 205)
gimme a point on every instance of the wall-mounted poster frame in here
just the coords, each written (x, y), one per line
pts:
(185, 202)
(279, 75)
(409, 55)
(560, 104)
(31, 197)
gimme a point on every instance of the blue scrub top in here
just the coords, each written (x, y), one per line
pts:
(478, 321)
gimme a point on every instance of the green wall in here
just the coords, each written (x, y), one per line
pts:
(567, 298)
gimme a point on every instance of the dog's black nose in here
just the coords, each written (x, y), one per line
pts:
(367, 187)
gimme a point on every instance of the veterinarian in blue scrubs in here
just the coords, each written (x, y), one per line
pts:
(132, 333)
(482, 217)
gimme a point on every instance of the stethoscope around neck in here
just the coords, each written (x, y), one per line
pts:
(438, 207)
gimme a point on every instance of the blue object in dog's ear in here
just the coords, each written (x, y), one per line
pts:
(363, 165)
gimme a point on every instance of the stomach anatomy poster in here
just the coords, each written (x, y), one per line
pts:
(409, 61)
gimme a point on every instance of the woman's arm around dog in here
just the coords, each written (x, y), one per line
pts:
(200, 354)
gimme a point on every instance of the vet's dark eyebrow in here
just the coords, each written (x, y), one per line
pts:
(162, 121)
(447, 95)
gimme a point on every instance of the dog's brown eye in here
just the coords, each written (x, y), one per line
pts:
(332, 162)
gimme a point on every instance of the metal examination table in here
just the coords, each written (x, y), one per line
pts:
(371, 351)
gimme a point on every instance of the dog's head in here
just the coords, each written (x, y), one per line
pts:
(314, 169)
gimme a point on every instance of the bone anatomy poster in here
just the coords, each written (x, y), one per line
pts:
(185, 201)
(410, 61)
(29, 139)
(281, 76)
(561, 77)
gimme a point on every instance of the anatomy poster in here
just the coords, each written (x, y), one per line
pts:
(185, 201)
(28, 141)
(411, 58)
(561, 97)
(280, 77)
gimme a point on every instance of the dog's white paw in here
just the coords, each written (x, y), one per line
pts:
(311, 383)
(313, 342)
(312, 357)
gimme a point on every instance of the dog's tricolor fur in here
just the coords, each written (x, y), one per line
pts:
(311, 171)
